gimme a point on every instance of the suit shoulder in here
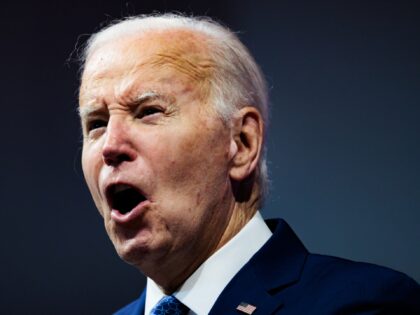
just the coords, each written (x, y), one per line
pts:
(329, 268)
(356, 284)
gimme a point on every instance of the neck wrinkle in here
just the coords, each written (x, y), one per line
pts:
(241, 213)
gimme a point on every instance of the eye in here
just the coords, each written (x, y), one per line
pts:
(149, 111)
(96, 124)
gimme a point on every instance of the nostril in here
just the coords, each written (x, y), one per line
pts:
(115, 158)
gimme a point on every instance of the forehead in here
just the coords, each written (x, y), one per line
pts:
(182, 51)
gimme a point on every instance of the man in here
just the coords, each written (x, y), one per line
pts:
(173, 111)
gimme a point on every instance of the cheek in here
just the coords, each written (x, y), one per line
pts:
(90, 172)
(87, 166)
(180, 160)
(188, 163)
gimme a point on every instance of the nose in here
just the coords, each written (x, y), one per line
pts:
(118, 147)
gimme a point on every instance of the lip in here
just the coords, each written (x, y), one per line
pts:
(131, 216)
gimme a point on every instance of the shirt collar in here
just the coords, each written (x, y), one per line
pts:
(201, 290)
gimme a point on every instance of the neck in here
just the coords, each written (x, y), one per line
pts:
(169, 276)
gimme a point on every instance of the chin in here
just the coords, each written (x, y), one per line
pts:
(135, 250)
(133, 255)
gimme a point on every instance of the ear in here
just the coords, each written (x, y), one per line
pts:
(246, 143)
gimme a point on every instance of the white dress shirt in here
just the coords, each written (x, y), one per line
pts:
(201, 290)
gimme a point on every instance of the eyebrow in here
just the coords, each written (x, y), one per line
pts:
(146, 96)
(88, 109)
(93, 107)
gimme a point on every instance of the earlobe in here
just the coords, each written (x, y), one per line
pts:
(247, 139)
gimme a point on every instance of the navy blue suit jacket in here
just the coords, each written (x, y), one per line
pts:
(283, 278)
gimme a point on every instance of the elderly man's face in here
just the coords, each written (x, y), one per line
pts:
(155, 154)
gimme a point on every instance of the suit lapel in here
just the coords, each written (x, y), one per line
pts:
(140, 306)
(277, 265)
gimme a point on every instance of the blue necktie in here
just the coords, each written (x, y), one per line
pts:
(169, 305)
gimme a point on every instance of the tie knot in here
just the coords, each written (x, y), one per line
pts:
(169, 305)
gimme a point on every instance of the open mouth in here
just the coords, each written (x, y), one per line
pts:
(123, 198)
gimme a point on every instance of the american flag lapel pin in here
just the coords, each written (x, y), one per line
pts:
(246, 308)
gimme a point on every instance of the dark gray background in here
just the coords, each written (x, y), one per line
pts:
(343, 147)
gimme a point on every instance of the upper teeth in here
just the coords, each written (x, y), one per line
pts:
(121, 187)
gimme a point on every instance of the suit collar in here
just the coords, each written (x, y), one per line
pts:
(280, 261)
(275, 266)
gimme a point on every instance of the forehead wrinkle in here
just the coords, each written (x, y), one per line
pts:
(122, 90)
(199, 69)
(91, 88)
(184, 52)
(194, 66)
(199, 72)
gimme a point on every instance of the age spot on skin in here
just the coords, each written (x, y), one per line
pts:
(198, 200)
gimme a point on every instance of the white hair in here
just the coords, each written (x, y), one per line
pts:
(237, 80)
